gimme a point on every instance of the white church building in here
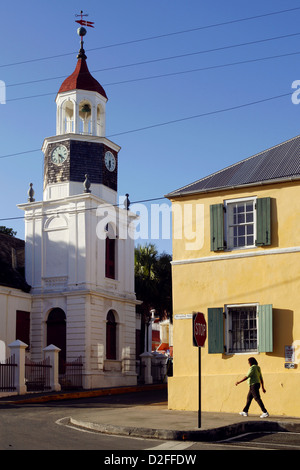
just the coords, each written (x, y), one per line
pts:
(79, 244)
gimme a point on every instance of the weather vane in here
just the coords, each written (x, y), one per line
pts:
(82, 31)
(84, 22)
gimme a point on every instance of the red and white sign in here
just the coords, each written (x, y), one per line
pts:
(85, 23)
(199, 330)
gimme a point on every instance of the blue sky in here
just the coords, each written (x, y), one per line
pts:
(39, 43)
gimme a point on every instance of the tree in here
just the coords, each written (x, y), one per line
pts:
(145, 260)
(7, 231)
(153, 284)
(163, 274)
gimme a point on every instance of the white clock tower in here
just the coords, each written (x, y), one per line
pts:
(79, 243)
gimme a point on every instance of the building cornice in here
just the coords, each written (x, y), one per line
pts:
(238, 255)
(81, 138)
(127, 298)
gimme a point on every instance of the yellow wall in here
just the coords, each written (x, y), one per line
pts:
(271, 279)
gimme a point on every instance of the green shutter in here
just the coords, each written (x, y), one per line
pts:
(265, 328)
(216, 227)
(263, 221)
(215, 323)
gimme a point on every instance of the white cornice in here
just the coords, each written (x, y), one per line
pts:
(14, 292)
(237, 255)
(79, 92)
(81, 138)
(126, 298)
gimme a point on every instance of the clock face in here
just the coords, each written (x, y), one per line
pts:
(110, 161)
(59, 154)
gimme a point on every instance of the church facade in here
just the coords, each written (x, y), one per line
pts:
(79, 244)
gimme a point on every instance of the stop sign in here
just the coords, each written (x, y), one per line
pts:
(199, 329)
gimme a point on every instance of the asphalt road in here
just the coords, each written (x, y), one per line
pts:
(44, 427)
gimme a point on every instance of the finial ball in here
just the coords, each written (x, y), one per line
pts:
(81, 31)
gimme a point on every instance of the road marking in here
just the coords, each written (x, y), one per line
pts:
(172, 445)
(236, 442)
(234, 438)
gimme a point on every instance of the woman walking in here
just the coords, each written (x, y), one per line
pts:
(255, 379)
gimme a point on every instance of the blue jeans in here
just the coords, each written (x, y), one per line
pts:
(254, 393)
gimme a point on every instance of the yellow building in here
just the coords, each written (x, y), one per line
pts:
(236, 258)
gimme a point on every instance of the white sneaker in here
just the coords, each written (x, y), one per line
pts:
(264, 415)
(243, 413)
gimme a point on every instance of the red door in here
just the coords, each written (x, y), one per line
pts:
(56, 334)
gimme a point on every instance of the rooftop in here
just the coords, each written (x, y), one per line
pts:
(278, 163)
(81, 78)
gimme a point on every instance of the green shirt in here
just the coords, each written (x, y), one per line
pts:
(254, 375)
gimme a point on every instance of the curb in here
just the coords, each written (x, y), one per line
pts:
(205, 435)
(83, 394)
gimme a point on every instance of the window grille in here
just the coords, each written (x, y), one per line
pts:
(242, 329)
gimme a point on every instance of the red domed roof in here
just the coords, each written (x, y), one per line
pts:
(81, 79)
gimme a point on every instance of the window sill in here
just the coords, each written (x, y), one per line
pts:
(112, 365)
(240, 248)
(241, 353)
(111, 283)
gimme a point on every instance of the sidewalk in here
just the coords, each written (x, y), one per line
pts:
(155, 420)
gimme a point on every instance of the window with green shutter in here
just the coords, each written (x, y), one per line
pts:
(247, 328)
(240, 223)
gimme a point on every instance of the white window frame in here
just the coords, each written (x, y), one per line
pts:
(228, 328)
(228, 207)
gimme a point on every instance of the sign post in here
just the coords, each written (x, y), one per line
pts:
(199, 337)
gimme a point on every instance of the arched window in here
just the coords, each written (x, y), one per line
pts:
(111, 336)
(85, 114)
(68, 117)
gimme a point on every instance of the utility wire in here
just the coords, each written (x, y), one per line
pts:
(157, 36)
(209, 113)
(162, 59)
(201, 69)
(152, 77)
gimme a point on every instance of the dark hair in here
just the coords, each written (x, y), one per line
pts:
(252, 361)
